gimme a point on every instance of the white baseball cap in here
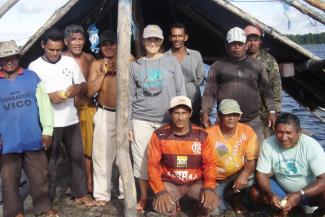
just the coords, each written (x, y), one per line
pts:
(180, 100)
(236, 34)
(153, 31)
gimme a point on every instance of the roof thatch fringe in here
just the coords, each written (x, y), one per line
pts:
(59, 13)
(317, 4)
(274, 33)
(305, 10)
(6, 6)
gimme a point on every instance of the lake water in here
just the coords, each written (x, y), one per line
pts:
(308, 121)
(318, 49)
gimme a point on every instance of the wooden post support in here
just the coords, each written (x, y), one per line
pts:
(123, 68)
(6, 6)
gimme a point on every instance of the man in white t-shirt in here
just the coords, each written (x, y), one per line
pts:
(63, 81)
(297, 162)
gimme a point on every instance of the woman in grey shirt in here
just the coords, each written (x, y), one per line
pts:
(154, 80)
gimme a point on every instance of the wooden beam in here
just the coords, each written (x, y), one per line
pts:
(200, 19)
(6, 6)
(59, 13)
(123, 67)
(317, 4)
(305, 10)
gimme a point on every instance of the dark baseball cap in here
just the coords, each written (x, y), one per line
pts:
(109, 36)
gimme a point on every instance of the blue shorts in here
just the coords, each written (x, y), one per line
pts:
(281, 193)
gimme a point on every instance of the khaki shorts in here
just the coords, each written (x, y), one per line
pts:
(142, 133)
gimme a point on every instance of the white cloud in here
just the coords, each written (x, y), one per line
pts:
(38, 6)
(272, 14)
(25, 18)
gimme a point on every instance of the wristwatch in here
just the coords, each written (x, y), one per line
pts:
(302, 193)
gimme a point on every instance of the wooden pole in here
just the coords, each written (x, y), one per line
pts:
(6, 6)
(305, 10)
(123, 67)
(317, 4)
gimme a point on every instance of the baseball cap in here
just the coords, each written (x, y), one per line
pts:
(8, 48)
(108, 35)
(180, 100)
(252, 30)
(229, 106)
(153, 31)
(236, 34)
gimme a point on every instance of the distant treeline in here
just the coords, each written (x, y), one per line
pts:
(309, 38)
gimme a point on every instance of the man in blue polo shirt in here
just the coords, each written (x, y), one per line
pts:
(26, 130)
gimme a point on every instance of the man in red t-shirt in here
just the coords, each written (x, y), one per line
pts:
(181, 162)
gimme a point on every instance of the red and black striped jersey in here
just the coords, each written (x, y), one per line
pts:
(180, 159)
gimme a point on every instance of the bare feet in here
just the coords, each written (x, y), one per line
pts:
(51, 213)
(85, 200)
(101, 202)
(141, 206)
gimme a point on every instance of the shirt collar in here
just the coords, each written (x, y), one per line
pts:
(186, 50)
(20, 72)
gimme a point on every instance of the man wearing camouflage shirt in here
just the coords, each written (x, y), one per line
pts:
(253, 43)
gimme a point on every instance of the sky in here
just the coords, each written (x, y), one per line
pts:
(27, 16)
(272, 13)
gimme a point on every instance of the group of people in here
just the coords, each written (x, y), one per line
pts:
(69, 97)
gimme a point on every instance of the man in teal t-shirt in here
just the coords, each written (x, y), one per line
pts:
(297, 162)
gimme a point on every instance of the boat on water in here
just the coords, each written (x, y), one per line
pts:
(207, 21)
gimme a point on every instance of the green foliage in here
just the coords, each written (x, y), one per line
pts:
(308, 38)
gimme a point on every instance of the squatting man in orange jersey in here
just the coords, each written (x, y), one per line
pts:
(181, 162)
(236, 149)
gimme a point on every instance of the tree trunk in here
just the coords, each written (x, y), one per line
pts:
(6, 6)
(123, 65)
(317, 4)
(305, 10)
